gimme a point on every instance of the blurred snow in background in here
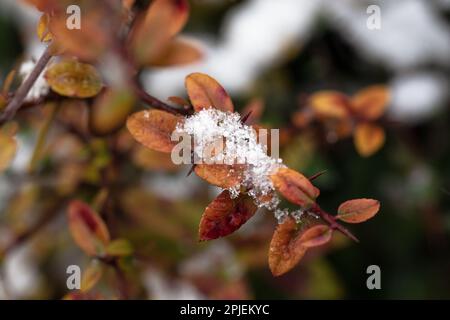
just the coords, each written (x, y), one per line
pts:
(257, 33)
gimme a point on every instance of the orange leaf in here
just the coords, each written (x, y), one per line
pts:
(221, 175)
(205, 92)
(224, 215)
(291, 241)
(285, 250)
(152, 160)
(316, 236)
(128, 4)
(177, 52)
(153, 129)
(153, 32)
(71, 78)
(371, 102)
(295, 187)
(95, 34)
(87, 228)
(369, 138)
(43, 5)
(330, 104)
(110, 110)
(358, 210)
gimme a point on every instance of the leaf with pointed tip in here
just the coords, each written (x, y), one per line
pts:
(153, 129)
(369, 138)
(225, 215)
(91, 276)
(285, 250)
(316, 236)
(205, 92)
(119, 248)
(358, 210)
(43, 32)
(291, 241)
(87, 228)
(295, 187)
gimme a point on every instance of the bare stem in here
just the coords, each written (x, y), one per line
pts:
(330, 219)
(155, 102)
(19, 97)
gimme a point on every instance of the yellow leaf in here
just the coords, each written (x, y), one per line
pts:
(71, 78)
(369, 138)
(91, 276)
(119, 248)
(371, 102)
(330, 104)
(42, 28)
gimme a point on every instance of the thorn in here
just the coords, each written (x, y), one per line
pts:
(245, 118)
(191, 170)
(318, 174)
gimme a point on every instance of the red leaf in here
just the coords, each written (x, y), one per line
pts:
(87, 228)
(224, 215)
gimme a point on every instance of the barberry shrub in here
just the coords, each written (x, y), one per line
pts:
(87, 84)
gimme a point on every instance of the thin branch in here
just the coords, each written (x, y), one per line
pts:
(155, 102)
(318, 174)
(19, 97)
(332, 222)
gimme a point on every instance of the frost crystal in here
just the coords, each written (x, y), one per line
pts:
(221, 138)
(40, 87)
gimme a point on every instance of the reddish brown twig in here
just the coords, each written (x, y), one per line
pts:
(331, 220)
